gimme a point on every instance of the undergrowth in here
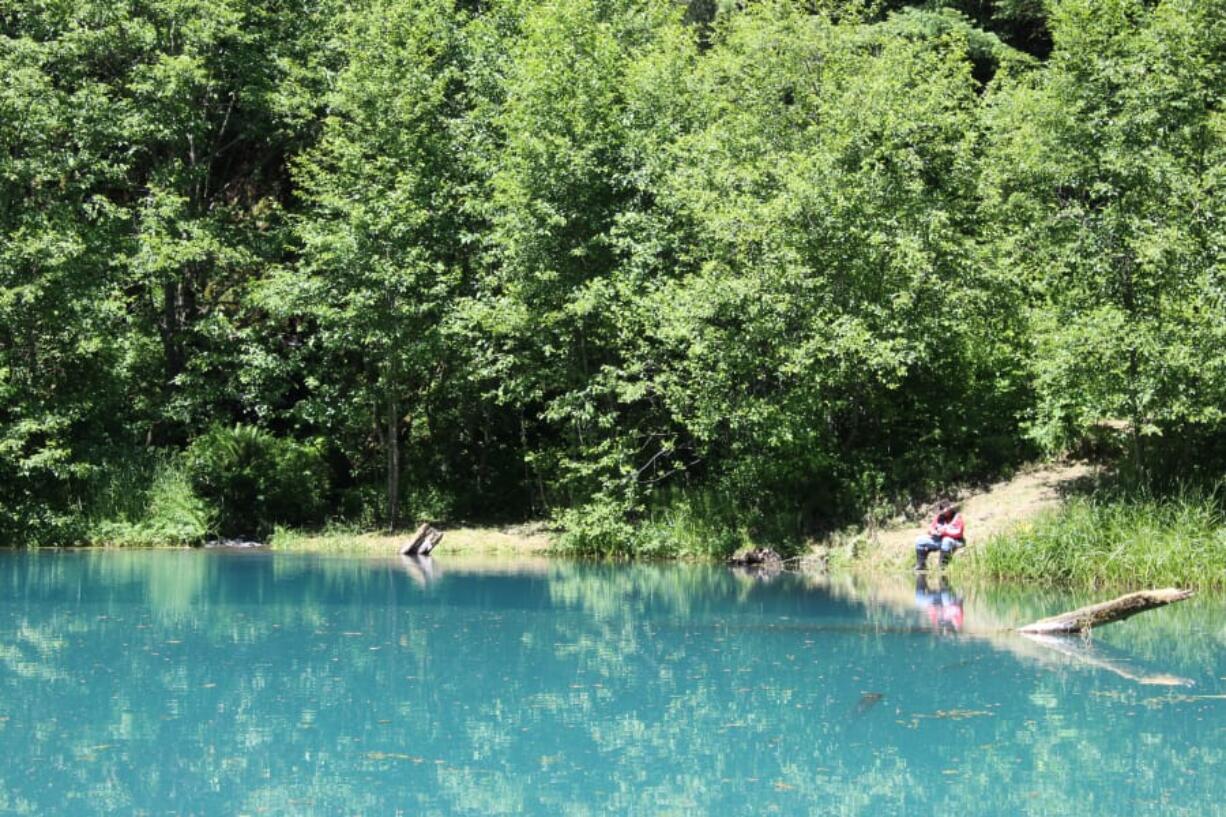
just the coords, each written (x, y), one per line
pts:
(168, 512)
(691, 524)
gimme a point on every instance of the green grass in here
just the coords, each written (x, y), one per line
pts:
(1113, 541)
(694, 525)
(167, 513)
(330, 540)
(512, 541)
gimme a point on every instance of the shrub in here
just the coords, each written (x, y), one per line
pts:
(695, 523)
(598, 528)
(256, 481)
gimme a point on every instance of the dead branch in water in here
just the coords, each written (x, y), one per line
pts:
(1083, 619)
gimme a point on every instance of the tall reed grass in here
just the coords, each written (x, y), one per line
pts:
(1114, 540)
(166, 512)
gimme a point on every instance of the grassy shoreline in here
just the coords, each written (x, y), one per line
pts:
(1054, 525)
(1084, 543)
(528, 540)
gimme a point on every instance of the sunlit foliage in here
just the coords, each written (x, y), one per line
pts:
(677, 275)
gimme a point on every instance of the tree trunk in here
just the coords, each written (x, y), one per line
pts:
(423, 541)
(393, 462)
(1083, 619)
(170, 330)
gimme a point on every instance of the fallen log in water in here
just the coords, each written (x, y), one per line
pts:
(424, 540)
(1095, 615)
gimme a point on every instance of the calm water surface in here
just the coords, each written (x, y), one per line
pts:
(204, 683)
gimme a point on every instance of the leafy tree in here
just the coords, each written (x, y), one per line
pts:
(1105, 182)
(643, 265)
(60, 318)
(143, 180)
(832, 316)
(383, 241)
(549, 308)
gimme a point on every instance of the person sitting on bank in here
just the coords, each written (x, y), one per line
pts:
(947, 533)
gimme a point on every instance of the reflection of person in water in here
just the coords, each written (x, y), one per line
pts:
(942, 606)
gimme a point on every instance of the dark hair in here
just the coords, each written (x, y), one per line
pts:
(944, 505)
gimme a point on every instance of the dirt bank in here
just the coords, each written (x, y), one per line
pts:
(999, 507)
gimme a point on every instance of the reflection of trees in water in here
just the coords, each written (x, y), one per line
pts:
(332, 686)
(170, 582)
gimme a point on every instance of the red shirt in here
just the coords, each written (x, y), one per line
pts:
(954, 528)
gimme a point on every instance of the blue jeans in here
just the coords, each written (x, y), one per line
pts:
(926, 544)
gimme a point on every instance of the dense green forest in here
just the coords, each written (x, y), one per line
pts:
(632, 265)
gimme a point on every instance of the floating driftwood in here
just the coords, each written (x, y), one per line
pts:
(1083, 619)
(424, 540)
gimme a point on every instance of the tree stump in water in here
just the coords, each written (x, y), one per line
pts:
(424, 540)
(1083, 619)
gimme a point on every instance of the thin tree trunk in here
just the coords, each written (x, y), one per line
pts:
(526, 459)
(393, 462)
(1134, 369)
(483, 452)
(1134, 397)
(170, 330)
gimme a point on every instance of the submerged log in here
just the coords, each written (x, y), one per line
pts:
(424, 540)
(1083, 619)
(1081, 652)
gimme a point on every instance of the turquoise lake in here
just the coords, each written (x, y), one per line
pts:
(232, 683)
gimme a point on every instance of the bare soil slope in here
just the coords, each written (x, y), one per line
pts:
(994, 510)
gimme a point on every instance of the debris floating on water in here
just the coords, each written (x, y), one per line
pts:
(868, 700)
(235, 544)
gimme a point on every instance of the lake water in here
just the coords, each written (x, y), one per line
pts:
(207, 683)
